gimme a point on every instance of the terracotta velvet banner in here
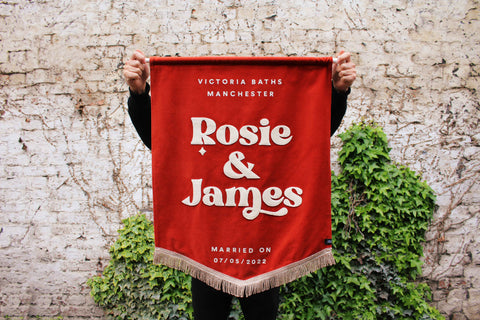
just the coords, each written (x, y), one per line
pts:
(241, 168)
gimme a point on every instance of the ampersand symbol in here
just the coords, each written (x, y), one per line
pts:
(235, 159)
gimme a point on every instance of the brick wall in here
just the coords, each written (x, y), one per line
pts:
(72, 166)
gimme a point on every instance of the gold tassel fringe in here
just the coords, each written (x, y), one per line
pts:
(244, 288)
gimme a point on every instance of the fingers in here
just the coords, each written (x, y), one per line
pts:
(343, 57)
(136, 72)
(133, 69)
(344, 65)
(137, 64)
(344, 72)
(348, 80)
(137, 61)
(346, 69)
(139, 56)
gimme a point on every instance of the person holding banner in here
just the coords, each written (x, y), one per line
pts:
(209, 303)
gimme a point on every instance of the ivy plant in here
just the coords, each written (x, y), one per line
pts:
(132, 287)
(380, 213)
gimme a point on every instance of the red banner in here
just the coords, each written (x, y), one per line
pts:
(241, 168)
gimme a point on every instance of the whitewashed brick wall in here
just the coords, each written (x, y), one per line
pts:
(72, 166)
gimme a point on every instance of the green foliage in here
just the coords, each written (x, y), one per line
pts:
(132, 287)
(380, 212)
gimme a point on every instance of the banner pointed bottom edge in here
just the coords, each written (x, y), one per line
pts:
(251, 286)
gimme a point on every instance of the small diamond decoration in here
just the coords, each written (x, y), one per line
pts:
(202, 151)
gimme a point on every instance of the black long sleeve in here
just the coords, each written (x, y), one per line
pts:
(338, 109)
(139, 109)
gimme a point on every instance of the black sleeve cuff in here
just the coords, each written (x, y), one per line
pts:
(339, 107)
(139, 109)
(144, 96)
(341, 94)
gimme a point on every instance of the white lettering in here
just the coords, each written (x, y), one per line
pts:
(204, 128)
(212, 197)
(264, 133)
(266, 82)
(224, 81)
(248, 135)
(196, 187)
(272, 197)
(202, 137)
(281, 135)
(233, 93)
(222, 135)
(252, 199)
(293, 195)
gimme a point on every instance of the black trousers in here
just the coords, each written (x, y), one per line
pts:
(211, 304)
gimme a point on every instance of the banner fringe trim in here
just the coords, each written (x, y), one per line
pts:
(244, 288)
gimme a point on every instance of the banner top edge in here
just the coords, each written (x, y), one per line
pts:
(234, 60)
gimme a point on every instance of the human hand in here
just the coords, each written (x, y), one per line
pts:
(344, 73)
(136, 72)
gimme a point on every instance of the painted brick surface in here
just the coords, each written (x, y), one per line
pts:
(72, 166)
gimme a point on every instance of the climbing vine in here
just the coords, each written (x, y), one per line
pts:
(132, 287)
(380, 213)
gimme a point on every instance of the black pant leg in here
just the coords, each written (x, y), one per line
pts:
(261, 306)
(209, 303)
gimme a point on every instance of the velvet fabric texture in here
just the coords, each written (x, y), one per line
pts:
(241, 168)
